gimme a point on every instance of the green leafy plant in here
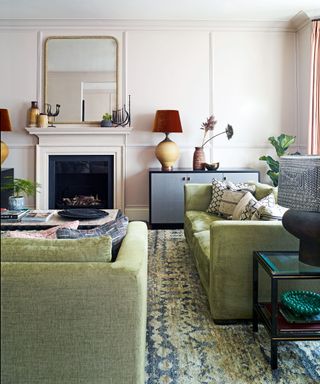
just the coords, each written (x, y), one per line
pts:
(107, 117)
(281, 145)
(21, 187)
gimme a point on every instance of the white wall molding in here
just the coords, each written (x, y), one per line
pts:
(21, 146)
(227, 146)
(144, 146)
(299, 21)
(246, 25)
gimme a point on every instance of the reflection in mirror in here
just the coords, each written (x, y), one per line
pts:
(81, 75)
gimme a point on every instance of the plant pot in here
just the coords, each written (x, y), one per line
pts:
(199, 159)
(16, 203)
(106, 123)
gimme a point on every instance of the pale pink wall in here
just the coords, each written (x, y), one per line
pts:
(247, 77)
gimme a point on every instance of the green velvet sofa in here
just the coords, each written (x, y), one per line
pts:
(76, 322)
(223, 249)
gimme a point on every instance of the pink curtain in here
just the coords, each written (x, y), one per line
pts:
(314, 115)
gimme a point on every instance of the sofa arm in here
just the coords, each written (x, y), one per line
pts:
(76, 322)
(197, 197)
(231, 253)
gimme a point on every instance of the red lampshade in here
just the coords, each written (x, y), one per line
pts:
(5, 124)
(167, 121)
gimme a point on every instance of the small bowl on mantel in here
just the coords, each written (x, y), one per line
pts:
(212, 166)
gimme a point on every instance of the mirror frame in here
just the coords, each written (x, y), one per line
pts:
(45, 74)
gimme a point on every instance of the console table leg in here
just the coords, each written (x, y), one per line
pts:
(274, 355)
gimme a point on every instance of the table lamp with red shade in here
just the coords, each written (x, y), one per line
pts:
(167, 151)
(5, 125)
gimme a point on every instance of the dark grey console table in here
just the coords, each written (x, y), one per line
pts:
(166, 191)
(7, 175)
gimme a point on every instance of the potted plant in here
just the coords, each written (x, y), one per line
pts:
(20, 188)
(106, 120)
(281, 145)
(198, 156)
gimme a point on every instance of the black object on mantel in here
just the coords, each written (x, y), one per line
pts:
(299, 189)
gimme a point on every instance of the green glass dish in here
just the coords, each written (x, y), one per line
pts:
(303, 303)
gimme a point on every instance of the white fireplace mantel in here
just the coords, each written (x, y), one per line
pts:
(80, 140)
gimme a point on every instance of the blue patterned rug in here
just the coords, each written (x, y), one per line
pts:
(185, 346)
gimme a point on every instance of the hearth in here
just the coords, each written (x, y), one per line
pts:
(85, 181)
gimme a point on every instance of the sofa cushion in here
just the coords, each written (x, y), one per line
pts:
(229, 201)
(117, 229)
(50, 233)
(261, 210)
(218, 189)
(263, 190)
(241, 206)
(250, 209)
(43, 250)
(269, 213)
(249, 206)
(197, 221)
(268, 201)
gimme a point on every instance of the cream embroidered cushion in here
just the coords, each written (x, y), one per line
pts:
(269, 213)
(229, 201)
(249, 208)
(239, 209)
(218, 189)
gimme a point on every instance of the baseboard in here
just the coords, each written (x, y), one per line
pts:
(137, 213)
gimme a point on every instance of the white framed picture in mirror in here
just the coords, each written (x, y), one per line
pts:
(81, 74)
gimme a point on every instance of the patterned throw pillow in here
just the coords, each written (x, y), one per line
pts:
(117, 229)
(269, 213)
(229, 201)
(268, 201)
(218, 188)
(240, 207)
(50, 233)
(250, 209)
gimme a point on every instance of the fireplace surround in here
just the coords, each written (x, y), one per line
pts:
(80, 140)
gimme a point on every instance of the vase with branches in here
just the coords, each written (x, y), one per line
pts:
(207, 126)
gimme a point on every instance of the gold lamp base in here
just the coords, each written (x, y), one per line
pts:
(4, 151)
(167, 152)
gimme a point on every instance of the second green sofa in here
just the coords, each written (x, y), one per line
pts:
(223, 249)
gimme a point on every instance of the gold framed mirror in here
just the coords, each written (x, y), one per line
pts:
(81, 75)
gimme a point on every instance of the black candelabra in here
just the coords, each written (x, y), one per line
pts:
(122, 116)
(52, 114)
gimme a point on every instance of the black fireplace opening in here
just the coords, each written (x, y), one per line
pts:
(81, 181)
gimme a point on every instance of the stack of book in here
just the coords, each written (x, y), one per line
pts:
(8, 215)
(37, 216)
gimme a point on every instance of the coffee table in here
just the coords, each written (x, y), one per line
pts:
(58, 220)
(281, 266)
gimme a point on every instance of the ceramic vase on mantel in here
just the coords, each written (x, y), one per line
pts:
(33, 114)
(199, 159)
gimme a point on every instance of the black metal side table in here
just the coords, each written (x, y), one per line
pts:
(281, 266)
